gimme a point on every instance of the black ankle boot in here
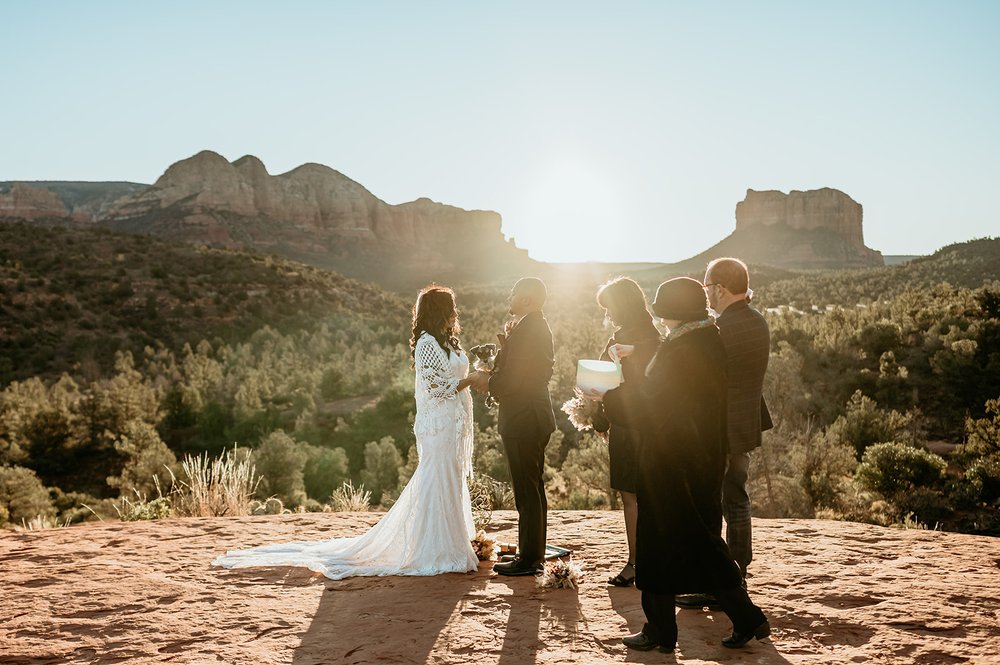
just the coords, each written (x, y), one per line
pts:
(739, 639)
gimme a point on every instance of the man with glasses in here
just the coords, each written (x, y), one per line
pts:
(747, 342)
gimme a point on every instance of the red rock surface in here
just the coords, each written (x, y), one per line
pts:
(836, 592)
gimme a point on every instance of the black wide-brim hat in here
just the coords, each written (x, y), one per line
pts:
(681, 299)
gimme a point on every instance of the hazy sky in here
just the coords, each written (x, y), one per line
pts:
(600, 131)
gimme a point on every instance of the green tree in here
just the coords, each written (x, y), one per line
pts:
(325, 470)
(381, 471)
(865, 423)
(893, 468)
(22, 495)
(146, 457)
(281, 460)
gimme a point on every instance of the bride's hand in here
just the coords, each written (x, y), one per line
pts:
(479, 381)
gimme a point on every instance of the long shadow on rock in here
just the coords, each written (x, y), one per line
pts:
(384, 619)
(521, 641)
(627, 602)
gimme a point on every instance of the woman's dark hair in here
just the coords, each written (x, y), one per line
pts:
(624, 301)
(434, 307)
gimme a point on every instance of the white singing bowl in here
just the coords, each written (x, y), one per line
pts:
(599, 375)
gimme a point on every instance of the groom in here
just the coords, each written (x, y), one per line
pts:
(520, 384)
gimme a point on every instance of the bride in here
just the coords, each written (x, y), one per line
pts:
(429, 529)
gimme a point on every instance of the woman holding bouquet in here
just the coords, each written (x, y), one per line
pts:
(682, 459)
(625, 307)
(428, 530)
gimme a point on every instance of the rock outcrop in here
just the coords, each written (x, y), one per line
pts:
(818, 229)
(22, 201)
(311, 213)
(818, 208)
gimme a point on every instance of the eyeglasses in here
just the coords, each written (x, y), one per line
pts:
(705, 286)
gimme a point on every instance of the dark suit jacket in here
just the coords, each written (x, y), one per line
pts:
(747, 341)
(520, 380)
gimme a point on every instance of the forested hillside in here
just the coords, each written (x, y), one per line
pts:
(124, 354)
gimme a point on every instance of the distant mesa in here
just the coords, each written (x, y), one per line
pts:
(61, 201)
(810, 230)
(312, 214)
(31, 203)
(320, 216)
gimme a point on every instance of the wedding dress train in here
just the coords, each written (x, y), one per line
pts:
(429, 529)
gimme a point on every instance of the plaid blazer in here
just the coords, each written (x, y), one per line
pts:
(747, 341)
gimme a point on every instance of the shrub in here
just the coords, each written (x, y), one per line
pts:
(984, 476)
(215, 487)
(147, 458)
(489, 494)
(23, 496)
(281, 460)
(824, 466)
(141, 509)
(857, 505)
(891, 468)
(865, 423)
(73, 507)
(350, 499)
(325, 469)
(382, 462)
(982, 436)
(780, 496)
(270, 506)
(924, 504)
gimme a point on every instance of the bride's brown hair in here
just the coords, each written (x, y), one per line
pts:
(434, 307)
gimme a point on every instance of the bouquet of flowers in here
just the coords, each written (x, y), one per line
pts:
(485, 357)
(484, 546)
(560, 574)
(586, 413)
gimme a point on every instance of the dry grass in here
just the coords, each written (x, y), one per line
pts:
(348, 498)
(218, 487)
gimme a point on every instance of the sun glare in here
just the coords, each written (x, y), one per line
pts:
(574, 212)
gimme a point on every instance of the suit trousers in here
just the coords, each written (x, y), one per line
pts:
(736, 510)
(526, 459)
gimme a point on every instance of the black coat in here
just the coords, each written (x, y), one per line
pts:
(682, 459)
(646, 338)
(520, 380)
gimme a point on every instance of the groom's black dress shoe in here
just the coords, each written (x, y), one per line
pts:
(739, 639)
(640, 642)
(517, 567)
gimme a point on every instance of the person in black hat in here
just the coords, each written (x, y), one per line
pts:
(682, 459)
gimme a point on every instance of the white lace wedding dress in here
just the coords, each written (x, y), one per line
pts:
(428, 531)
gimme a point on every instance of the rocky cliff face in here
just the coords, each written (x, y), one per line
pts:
(811, 230)
(21, 201)
(311, 213)
(819, 208)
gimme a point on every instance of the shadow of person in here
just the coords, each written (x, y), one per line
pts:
(700, 634)
(399, 619)
(627, 602)
(521, 640)
(534, 615)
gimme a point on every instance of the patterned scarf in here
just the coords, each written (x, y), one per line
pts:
(690, 326)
